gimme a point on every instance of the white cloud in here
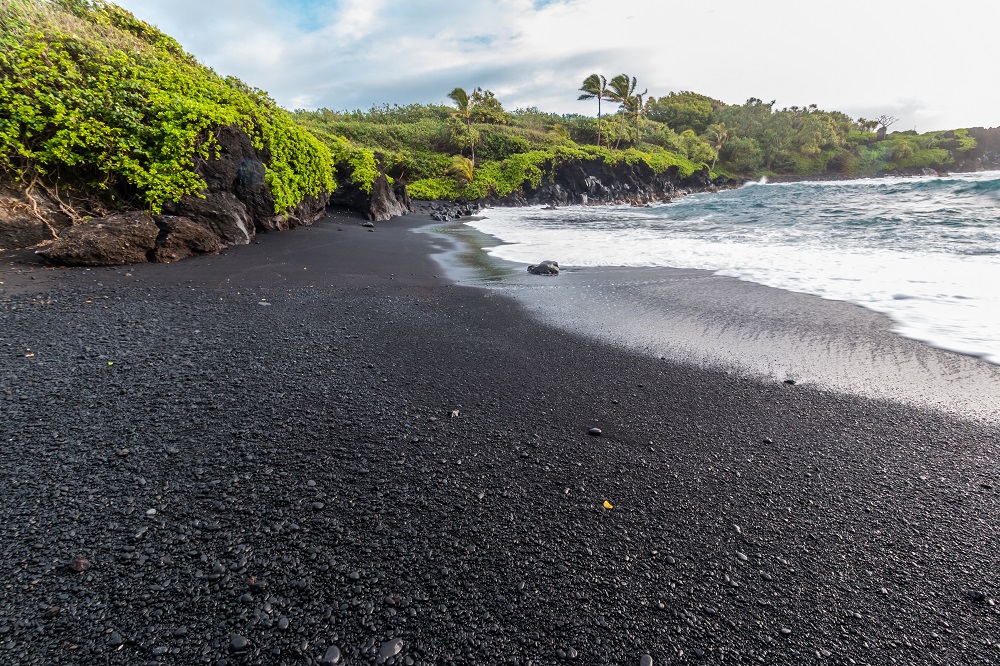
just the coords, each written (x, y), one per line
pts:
(910, 59)
(357, 18)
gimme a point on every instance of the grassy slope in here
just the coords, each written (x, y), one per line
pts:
(99, 101)
(418, 143)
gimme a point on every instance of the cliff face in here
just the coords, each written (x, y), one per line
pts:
(237, 205)
(385, 201)
(595, 181)
(985, 156)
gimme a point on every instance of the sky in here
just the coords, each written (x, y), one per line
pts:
(929, 64)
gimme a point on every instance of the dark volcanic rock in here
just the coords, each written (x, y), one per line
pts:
(222, 213)
(236, 204)
(125, 238)
(547, 267)
(331, 656)
(181, 238)
(595, 181)
(17, 231)
(384, 202)
(130, 238)
(79, 564)
(238, 169)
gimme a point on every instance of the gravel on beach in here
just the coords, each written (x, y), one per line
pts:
(318, 450)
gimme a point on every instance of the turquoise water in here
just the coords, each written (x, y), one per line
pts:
(924, 251)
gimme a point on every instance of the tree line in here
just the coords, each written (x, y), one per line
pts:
(448, 146)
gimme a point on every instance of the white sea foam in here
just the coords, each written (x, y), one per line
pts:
(925, 252)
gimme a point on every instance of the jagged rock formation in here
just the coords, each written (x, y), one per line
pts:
(131, 238)
(590, 182)
(985, 156)
(237, 204)
(385, 201)
(594, 181)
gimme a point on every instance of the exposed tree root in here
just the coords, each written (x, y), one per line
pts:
(29, 192)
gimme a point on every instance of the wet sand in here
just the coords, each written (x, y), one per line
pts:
(694, 317)
(319, 444)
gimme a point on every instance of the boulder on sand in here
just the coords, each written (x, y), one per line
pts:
(547, 267)
(126, 238)
(181, 238)
(130, 238)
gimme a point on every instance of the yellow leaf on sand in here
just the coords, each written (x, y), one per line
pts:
(607, 505)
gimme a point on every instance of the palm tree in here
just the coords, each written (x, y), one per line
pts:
(466, 103)
(718, 134)
(639, 109)
(621, 90)
(462, 168)
(595, 85)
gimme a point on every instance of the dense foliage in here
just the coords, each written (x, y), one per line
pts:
(96, 99)
(93, 98)
(756, 138)
(421, 143)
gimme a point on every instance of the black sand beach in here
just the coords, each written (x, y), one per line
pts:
(318, 448)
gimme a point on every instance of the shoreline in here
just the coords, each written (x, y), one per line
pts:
(725, 323)
(257, 455)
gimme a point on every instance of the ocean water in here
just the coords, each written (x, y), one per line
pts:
(923, 251)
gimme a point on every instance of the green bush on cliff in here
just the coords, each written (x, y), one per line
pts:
(511, 175)
(430, 189)
(96, 99)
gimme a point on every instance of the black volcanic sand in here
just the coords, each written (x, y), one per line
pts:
(257, 458)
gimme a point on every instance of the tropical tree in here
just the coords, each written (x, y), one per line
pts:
(639, 108)
(621, 90)
(744, 155)
(595, 85)
(695, 148)
(718, 135)
(561, 132)
(487, 109)
(884, 121)
(465, 105)
(462, 168)
(684, 110)
(866, 125)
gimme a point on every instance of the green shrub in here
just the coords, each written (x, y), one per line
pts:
(98, 98)
(430, 189)
(413, 165)
(497, 143)
(965, 142)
